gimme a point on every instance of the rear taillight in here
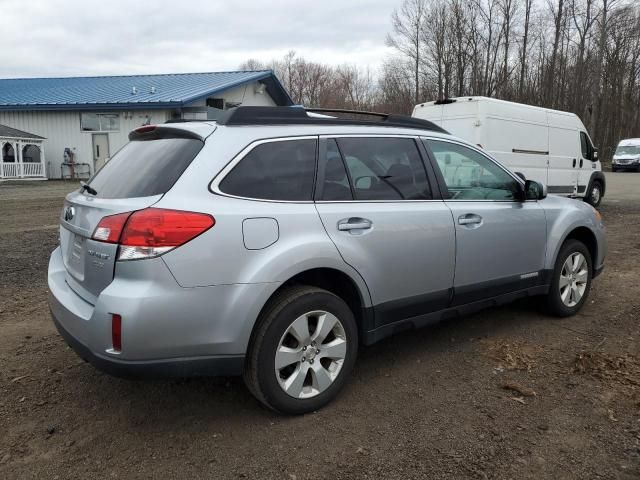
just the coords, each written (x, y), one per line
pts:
(151, 232)
(110, 228)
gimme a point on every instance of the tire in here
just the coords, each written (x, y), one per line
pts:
(313, 373)
(594, 196)
(614, 169)
(559, 301)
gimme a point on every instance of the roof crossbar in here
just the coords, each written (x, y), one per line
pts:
(239, 116)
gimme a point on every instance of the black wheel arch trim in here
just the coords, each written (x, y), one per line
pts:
(599, 177)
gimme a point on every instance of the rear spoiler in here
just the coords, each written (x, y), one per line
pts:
(157, 132)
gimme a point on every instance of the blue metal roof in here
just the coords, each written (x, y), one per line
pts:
(128, 92)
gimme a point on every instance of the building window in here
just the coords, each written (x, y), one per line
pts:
(99, 122)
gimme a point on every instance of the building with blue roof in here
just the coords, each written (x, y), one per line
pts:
(84, 120)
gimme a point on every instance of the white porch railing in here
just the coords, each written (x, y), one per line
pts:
(32, 170)
(11, 170)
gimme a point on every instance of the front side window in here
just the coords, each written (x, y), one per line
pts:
(281, 170)
(583, 145)
(99, 122)
(469, 175)
(384, 168)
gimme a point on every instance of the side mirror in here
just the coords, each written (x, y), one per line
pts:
(534, 190)
(594, 155)
(521, 175)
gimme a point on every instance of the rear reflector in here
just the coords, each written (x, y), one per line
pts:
(116, 332)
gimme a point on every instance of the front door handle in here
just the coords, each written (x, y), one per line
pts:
(354, 223)
(469, 219)
(581, 162)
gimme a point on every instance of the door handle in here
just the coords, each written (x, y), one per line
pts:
(581, 162)
(354, 223)
(469, 219)
(574, 163)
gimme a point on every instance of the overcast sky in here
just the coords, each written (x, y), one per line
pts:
(63, 38)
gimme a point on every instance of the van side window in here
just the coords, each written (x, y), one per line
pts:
(280, 170)
(470, 175)
(585, 145)
(385, 168)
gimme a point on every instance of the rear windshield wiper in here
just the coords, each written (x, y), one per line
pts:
(86, 188)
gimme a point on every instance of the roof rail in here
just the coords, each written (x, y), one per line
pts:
(298, 116)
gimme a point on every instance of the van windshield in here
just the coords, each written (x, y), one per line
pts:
(628, 150)
(143, 168)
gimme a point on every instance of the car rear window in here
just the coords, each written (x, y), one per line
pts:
(144, 168)
(277, 170)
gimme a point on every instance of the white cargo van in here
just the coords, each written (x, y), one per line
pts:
(627, 155)
(544, 145)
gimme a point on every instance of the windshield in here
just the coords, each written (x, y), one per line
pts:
(628, 150)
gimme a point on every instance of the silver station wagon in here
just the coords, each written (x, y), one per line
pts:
(273, 242)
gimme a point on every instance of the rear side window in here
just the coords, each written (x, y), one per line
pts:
(385, 168)
(143, 168)
(281, 170)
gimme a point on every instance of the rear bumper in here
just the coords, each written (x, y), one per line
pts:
(167, 330)
(226, 365)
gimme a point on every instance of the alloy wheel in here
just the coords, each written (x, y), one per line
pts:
(310, 354)
(573, 279)
(595, 194)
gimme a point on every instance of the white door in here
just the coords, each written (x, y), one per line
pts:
(564, 160)
(586, 166)
(100, 150)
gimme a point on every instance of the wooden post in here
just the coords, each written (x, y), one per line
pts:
(42, 164)
(18, 156)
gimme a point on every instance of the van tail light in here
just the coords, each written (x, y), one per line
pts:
(151, 232)
(116, 332)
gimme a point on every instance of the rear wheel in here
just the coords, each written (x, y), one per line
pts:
(594, 196)
(303, 350)
(571, 280)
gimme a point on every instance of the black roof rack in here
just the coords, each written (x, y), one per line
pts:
(298, 116)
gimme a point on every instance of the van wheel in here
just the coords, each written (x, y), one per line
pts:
(571, 280)
(303, 350)
(594, 197)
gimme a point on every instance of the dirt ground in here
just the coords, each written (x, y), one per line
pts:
(506, 393)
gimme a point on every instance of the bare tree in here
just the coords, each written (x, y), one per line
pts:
(408, 25)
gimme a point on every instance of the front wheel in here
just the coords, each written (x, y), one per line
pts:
(571, 280)
(594, 196)
(303, 350)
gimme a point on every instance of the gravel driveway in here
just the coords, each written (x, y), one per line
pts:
(506, 393)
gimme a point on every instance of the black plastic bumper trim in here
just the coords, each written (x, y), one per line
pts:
(227, 365)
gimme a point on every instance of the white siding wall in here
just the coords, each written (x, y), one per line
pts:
(62, 130)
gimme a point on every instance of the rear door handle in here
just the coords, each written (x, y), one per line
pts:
(574, 163)
(354, 223)
(469, 219)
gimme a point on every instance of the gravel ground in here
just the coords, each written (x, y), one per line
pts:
(506, 393)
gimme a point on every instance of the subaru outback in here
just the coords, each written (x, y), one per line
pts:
(274, 241)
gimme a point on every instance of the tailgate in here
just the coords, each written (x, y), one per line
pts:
(90, 264)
